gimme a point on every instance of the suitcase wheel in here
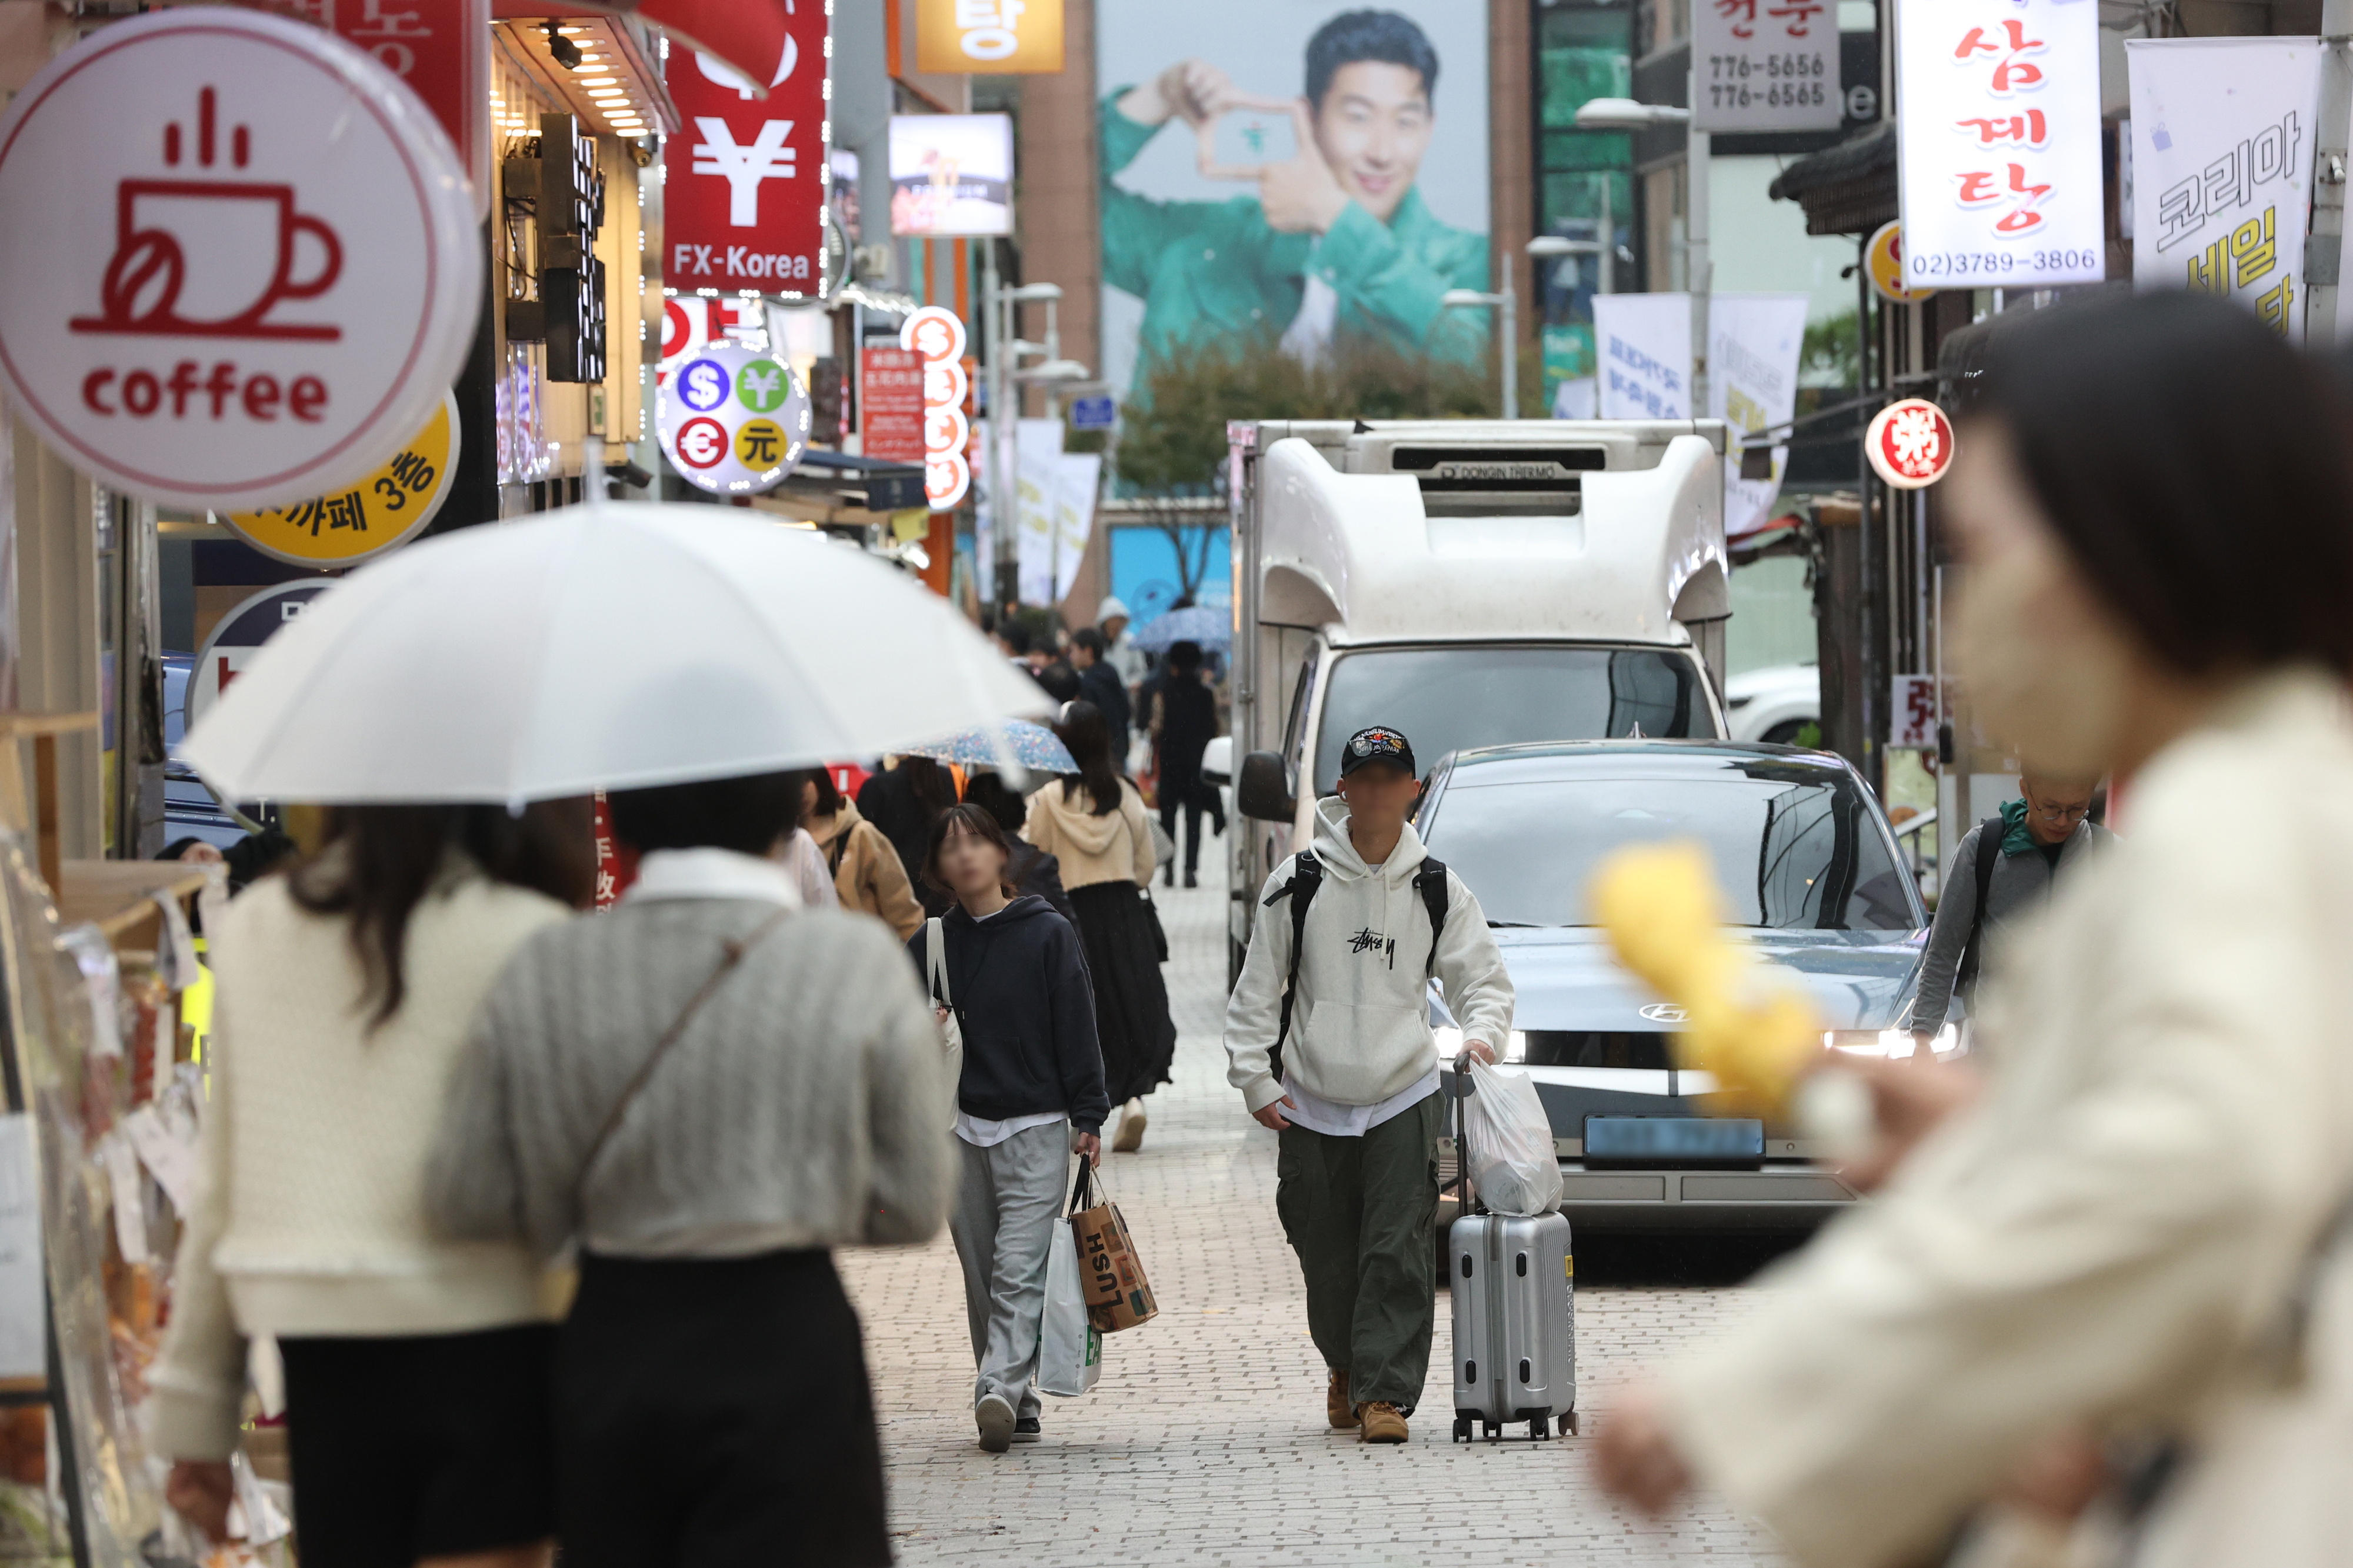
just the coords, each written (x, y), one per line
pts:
(1540, 1429)
(1494, 1429)
(1463, 1428)
(1568, 1424)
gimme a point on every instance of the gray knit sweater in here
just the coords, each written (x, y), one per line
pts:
(805, 1106)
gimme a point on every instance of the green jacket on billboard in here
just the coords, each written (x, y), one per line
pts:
(1211, 271)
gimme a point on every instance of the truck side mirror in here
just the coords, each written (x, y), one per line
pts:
(1264, 790)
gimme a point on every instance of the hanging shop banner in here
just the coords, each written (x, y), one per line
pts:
(2221, 137)
(1643, 346)
(239, 634)
(1910, 443)
(1882, 261)
(733, 420)
(952, 174)
(242, 260)
(891, 386)
(747, 179)
(1000, 36)
(386, 508)
(1997, 154)
(1755, 341)
(1078, 475)
(1037, 482)
(441, 49)
(938, 334)
(1766, 65)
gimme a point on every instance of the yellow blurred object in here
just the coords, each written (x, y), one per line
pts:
(1660, 905)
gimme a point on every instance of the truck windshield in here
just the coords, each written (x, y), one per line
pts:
(1793, 849)
(1450, 698)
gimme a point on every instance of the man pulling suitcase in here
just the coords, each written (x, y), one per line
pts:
(1328, 1033)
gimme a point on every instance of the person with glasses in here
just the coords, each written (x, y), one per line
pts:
(2033, 837)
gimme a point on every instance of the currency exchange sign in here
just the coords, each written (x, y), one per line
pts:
(1999, 143)
(747, 177)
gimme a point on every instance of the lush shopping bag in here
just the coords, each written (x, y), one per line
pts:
(1069, 1347)
(1118, 1295)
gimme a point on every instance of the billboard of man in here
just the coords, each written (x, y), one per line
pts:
(1337, 237)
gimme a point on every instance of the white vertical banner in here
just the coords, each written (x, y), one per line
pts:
(1037, 479)
(1643, 344)
(24, 1313)
(1076, 478)
(2222, 137)
(1766, 65)
(1754, 343)
(1997, 158)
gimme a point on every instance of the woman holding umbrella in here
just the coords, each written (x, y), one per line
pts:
(1092, 821)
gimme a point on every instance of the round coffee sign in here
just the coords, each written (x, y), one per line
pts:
(385, 509)
(242, 262)
(734, 421)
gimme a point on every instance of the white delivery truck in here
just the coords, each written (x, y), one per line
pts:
(1471, 583)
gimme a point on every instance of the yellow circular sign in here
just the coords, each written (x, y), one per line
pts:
(761, 443)
(1884, 260)
(382, 510)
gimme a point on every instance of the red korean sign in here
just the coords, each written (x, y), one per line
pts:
(745, 181)
(892, 388)
(1910, 444)
(938, 335)
(441, 49)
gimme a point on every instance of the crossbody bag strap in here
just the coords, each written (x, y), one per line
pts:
(732, 953)
(936, 961)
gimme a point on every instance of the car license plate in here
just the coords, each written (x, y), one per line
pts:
(1656, 1142)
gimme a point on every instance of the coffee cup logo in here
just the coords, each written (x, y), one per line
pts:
(207, 257)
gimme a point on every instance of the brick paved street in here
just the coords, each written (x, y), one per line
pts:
(1205, 1442)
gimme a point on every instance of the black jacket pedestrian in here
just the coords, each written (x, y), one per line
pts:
(888, 801)
(1099, 684)
(1035, 873)
(1027, 1012)
(1188, 722)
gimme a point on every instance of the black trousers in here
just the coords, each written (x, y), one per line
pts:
(713, 1413)
(1196, 795)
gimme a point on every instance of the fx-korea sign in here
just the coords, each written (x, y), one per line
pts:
(745, 181)
(241, 260)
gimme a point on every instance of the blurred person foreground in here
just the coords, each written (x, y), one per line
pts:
(2101, 1297)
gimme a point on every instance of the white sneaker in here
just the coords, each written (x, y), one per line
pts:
(994, 1414)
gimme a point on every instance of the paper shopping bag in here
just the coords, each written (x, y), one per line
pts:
(1070, 1350)
(1118, 1295)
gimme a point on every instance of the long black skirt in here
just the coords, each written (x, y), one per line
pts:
(1132, 1021)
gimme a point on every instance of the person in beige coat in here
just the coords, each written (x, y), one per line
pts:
(1092, 821)
(866, 874)
(2125, 1241)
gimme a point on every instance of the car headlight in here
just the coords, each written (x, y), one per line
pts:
(1890, 1042)
(1450, 1044)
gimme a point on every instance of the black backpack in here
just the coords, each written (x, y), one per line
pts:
(1965, 974)
(1306, 877)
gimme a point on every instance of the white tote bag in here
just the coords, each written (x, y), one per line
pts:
(935, 957)
(1069, 1349)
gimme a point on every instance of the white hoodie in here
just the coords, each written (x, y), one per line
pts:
(1360, 1024)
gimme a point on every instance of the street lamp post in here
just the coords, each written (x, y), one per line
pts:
(1625, 114)
(1506, 305)
(1003, 367)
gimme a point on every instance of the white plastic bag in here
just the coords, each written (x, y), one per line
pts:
(1508, 1141)
(1070, 1350)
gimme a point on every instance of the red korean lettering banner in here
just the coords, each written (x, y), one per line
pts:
(745, 180)
(892, 398)
(441, 49)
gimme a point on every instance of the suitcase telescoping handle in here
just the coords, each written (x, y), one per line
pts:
(1464, 1195)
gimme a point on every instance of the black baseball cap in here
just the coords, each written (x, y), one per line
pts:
(1378, 743)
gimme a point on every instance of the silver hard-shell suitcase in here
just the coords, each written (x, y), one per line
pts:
(1513, 1289)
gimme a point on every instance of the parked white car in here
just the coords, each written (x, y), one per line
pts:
(1775, 703)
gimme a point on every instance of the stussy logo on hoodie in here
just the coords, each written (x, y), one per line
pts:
(1371, 941)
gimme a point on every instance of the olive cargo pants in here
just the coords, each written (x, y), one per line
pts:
(1359, 1212)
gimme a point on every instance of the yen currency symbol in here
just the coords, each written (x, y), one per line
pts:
(760, 444)
(703, 386)
(701, 442)
(761, 386)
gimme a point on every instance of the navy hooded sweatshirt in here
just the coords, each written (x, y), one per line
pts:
(1027, 1012)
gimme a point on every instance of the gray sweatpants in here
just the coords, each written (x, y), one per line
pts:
(1007, 1199)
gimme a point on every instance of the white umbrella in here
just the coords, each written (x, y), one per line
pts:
(603, 646)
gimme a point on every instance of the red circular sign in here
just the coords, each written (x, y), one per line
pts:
(702, 442)
(1910, 444)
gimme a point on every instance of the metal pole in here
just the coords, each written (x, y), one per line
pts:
(1695, 227)
(1507, 349)
(1609, 239)
(1000, 467)
(2323, 252)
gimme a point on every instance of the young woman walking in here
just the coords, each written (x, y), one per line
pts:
(1092, 821)
(416, 1369)
(707, 1088)
(865, 869)
(1008, 971)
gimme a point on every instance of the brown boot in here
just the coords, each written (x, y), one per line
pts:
(1343, 1415)
(1383, 1421)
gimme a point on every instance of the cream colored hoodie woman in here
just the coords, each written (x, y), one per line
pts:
(1114, 847)
(2108, 1237)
